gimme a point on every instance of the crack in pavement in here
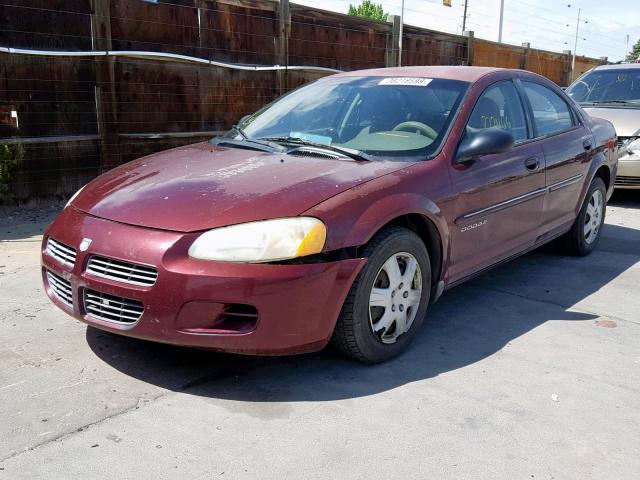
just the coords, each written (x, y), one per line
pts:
(196, 382)
(69, 434)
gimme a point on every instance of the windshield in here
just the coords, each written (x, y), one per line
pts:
(608, 86)
(381, 117)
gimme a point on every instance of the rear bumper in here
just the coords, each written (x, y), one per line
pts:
(628, 171)
(297, 305)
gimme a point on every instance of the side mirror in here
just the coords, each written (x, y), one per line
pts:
(483, 142)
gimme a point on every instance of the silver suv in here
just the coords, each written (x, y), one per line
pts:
(612, 92)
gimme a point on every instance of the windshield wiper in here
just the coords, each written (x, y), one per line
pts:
(348, 152)
(248, 142)
(598, 102)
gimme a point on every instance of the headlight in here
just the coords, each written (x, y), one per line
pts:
(73, 197)
(263, 241)
(633, 147)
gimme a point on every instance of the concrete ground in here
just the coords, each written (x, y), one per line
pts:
(530, 371)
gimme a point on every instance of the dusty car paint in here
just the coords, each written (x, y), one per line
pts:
(473, 216)
(625, 120)
(203, 186)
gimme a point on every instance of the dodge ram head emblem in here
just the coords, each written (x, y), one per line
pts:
(84, 244)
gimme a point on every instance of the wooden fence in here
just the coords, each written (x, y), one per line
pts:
(555, 66)
(64, 119)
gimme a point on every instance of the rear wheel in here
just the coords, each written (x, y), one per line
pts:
(587, 228)
(388, 300)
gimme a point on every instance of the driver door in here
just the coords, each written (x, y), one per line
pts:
(499, 206)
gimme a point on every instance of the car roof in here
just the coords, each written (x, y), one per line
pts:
(466, 74)
(618, 66)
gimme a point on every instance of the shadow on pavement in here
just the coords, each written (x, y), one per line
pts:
(625, 198)
(468, 324)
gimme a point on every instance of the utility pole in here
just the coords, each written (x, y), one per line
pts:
(501, 18)
(626, 48)
(464, 17)
(400, 37)
(575, 47)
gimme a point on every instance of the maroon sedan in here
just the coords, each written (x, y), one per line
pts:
(339, 212)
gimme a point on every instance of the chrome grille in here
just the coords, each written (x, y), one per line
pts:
(112, 308)
(628, 181)
(61, 288)
(61, 252)
(622, 141)
(120, 271)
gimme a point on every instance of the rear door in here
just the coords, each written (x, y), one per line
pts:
(568, 147)
(499, 208)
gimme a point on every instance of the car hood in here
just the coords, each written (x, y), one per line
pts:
(202, 186)
(625, 120)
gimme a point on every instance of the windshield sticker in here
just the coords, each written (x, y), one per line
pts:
(312, 137)
(407, 81)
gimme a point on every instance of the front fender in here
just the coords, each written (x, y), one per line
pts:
(384, 210)
(353, 217)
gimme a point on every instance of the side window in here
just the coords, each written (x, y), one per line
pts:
(551, 113)
(500, 107)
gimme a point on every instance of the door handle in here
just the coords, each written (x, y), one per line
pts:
(532, 163)
(587, 144)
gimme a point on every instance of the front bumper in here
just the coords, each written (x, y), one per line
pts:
(296, 305)
(628, 171)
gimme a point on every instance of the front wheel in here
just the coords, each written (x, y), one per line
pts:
(388, 300)
(587, 228)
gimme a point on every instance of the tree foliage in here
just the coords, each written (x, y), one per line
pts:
(634, 54)
(368, 9)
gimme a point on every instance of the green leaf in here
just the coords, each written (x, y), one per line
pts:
(634, 54)
(368, 9)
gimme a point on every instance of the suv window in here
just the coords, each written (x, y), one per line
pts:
(551, 114)
(499, 106)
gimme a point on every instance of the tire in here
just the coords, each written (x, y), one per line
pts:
(576, 241)
(354, 333)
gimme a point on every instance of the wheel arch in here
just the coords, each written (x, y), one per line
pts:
(410, 210)
(426, 229)
(355, 217)
(604, 172)
(599, 168)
